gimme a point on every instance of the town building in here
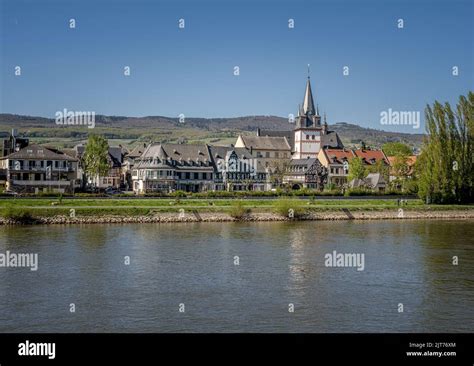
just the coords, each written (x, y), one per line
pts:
(169, 167)
(35, 169)
(270, 150)
(237, 170)
(337, 162)
(305, 173)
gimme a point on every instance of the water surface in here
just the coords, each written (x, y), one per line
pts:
(406, 262)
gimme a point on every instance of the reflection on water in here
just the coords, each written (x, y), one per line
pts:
(407, 262)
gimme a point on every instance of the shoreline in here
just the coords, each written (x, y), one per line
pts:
(333, 215)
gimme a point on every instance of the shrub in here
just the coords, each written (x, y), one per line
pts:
(359, 192)
(286, 207)
(238, 210)
(18, 215)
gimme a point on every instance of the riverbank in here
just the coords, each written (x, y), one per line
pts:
(171, 217)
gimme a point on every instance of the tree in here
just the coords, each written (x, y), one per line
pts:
(95, 159)
(445, 166)
(356, 169)
(380, 167)
(278, 168)
(396, 148)
(401, 170)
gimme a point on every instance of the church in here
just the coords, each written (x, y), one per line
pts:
(305, 141)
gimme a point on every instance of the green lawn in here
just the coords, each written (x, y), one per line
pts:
(148, 206)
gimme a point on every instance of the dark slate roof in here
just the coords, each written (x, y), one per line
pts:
(136, 151)
(308, 103)
(175, 155)
(266, 143)
(221, 152)
(302, 162)
(331, 139)
(290, 136)
(34, 151)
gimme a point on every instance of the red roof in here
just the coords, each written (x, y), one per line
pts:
(338, 156)
(371, 156)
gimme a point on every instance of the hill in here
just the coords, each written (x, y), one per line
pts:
(132, 130)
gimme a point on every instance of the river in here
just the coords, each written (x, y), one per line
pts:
(240, 277)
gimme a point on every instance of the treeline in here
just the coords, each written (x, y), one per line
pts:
(445, 171)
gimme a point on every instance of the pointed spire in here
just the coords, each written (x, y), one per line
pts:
(308, 103)
(317, 109)
(325, 122)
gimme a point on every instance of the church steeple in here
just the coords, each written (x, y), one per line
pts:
(308, 102)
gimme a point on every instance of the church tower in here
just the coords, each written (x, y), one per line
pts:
(308, 130)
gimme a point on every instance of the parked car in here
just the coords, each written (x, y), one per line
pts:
(112, 190)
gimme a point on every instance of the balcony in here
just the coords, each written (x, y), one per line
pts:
(54, 183)
(40, 169)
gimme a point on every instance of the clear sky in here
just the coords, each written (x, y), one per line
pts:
(191, 70)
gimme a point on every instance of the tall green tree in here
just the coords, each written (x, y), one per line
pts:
(356, 169)
(95, 158)
(402, 171)
(445, 166)
(396, 148)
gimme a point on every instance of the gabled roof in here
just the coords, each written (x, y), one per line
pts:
(371, 156)
(331, 139)
(187, 151)
(411, 160)
(338, 156)
(223, 152)
(34, 151)
(302, 162)
(266, 143)
(136, 151)
(373, 180)
(158, 155)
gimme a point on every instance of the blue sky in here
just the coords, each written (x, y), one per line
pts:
(190, 70)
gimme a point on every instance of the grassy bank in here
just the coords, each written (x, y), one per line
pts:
(48, 207)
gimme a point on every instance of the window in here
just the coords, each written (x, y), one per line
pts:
(188, 175)
(307, 137)
(277, 155)
(312, 137)
(267, 154)
(332, 170)
(196, 175)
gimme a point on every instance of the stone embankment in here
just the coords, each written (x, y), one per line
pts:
(224, 217)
